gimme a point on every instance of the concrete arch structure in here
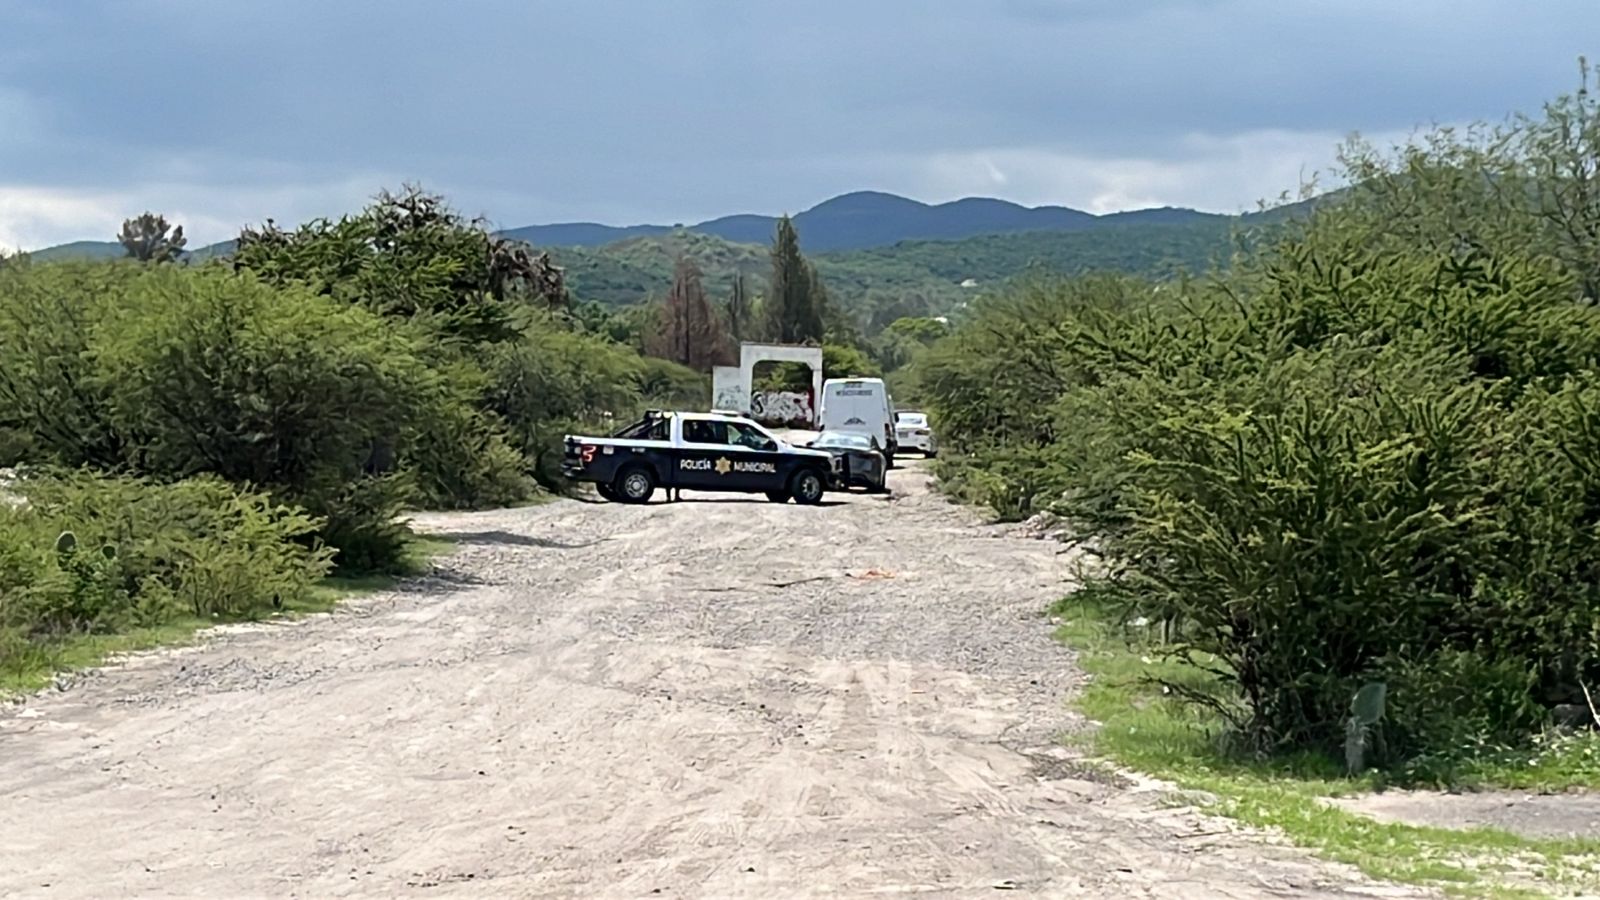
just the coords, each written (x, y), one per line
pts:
(731, 385)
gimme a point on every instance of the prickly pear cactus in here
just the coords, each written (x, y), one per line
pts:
(1366, 710)
(1368, 704)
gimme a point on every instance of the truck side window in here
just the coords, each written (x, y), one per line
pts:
(745, 436)
(699, 431)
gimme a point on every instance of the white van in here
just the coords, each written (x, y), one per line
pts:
(862, 406)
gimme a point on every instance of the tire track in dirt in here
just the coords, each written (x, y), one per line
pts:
(711, 698)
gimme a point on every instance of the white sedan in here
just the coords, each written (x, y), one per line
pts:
(912, 433)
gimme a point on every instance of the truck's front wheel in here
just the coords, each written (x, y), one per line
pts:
(807, 488)
(634, 485)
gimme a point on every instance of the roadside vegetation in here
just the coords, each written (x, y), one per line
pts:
(1352, 481)
(1142, 726)
(213, 441)
(192, 438)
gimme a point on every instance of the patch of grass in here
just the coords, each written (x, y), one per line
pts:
(421, 549)
(1147, 730)
(44, 662)
(1558, 761)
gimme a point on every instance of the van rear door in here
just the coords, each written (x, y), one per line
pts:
(853, 404)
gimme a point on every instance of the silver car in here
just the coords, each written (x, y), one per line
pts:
(860, 462)
(913, 433)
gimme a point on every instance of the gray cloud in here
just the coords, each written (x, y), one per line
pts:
(624, 111)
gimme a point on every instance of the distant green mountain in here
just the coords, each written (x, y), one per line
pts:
(867, 219)
(113, 250)
(940, 271)
(862, 220)
(78, 250)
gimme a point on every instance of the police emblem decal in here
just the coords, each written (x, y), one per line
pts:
(723, 465)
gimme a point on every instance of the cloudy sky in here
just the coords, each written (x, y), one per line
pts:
(227, 112)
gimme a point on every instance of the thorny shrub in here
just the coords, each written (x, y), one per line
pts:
(1369, 452)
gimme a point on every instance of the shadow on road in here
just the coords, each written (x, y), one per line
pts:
(507, 538)
(735, 499)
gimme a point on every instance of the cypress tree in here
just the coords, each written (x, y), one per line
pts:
(739, 324)
(793, 316)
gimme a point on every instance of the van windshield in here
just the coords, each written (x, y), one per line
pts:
(842, 440)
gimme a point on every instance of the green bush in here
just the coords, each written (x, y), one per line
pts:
(462, 457)
(1368, 454)
(463, 460)
(213, 372)
(356, 368)
(409, 257)
(53, 405)
(170, 373)
(1323, 484)
(362, 519)
(1272, 523)
(553, 381)
(667, 385)
(94, 554)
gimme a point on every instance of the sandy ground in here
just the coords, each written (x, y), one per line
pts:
(713, 698)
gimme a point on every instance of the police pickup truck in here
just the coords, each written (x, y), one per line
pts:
(697, 452)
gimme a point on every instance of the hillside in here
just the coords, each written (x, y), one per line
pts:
(78, 250)
(1148, 249)
(864, 220)
(632, 270)
(869, 219)
(1156, 242)
(113, 250)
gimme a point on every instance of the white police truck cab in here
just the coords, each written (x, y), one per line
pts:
(698, 452)
(862, 406)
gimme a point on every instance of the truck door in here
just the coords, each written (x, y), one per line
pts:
(754, 463)
(700, 456)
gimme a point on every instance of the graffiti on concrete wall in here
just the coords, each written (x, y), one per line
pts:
(729, 398)
(781, 407)
(729, 389)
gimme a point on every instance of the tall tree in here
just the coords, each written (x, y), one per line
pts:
(149, 238)
(739, 310)
(689, 331)
(793, 315)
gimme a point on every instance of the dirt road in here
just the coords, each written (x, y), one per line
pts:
(711, 698)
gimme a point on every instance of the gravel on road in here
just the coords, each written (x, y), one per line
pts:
(710, 698)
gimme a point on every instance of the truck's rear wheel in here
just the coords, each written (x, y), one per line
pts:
(607, 492)
(634, 485)
(806, 487)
